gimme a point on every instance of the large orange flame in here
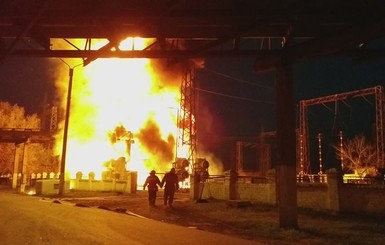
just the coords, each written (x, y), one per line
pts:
(121, 110)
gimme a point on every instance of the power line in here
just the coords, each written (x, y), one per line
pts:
(234, 97)
(237, 79)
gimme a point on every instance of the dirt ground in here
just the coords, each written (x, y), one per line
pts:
(242, 219)
(193, 214)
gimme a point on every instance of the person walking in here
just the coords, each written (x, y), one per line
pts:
(152, 182)
(170, 182)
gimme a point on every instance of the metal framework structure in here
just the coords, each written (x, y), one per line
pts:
(186, 120)
(264, 29)
(23, 135)
(377, 91)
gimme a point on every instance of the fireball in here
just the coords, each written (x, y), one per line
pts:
(123, 115)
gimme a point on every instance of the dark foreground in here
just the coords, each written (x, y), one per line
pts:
(255, 222)
(40, 221)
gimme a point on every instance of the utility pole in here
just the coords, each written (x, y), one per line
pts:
(66, 124)
(286, 177)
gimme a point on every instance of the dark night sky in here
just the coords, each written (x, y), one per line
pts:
(233, 116)
(26, 81)
(316, 78)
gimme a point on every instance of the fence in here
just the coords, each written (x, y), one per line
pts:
(327, 192)
(48, 183)
(319, 192)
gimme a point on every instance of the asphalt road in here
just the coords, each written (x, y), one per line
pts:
(34, 220)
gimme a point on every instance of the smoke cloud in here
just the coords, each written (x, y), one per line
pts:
(161, 150)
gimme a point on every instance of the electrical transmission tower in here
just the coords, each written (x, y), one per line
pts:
(186, 120)
(378, 92)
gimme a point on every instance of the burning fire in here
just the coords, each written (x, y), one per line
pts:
(123, 112)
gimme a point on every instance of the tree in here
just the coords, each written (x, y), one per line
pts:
(39, 157)
(7, 152)
(13, 116)
(358, 155)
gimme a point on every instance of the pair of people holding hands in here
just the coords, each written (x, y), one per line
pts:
(170, 182)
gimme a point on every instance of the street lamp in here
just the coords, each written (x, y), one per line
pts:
(65, 135)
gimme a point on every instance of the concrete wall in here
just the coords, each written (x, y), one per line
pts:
(332, 195)
(371, 200)
(313, 195)
(214, 189)
(48, 184)
(128, 185)
(47, 187)
(257, 192)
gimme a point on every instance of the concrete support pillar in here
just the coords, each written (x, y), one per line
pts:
(230, 186)
(271, 179)
(195, 189)
(25, 159)
(91, 178)
(286, 141)
(133, 181)
(16, 166)
(114, 184)
(334, 188)
(79, 176)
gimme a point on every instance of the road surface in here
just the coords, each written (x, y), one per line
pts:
(33, 220)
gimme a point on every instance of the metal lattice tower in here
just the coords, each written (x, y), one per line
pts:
(380, 102)
(186, 120)
(303, 142)
(53, 121)
(303, 139)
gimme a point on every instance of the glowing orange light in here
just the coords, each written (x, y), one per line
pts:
(119, 110)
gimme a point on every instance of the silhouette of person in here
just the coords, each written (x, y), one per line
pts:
(170, 182)
(152, 182)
